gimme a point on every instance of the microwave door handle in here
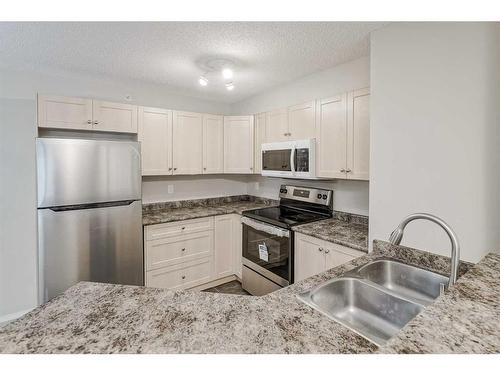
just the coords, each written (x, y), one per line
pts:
(292, 160)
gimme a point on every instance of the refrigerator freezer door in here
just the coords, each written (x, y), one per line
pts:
(96, 244)
(78, 171)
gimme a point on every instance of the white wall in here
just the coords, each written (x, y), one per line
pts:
(18, 267)
(434, 135)
(18, 258)
(348, 196)
(156, 189)
(341, 78)
(25, 85)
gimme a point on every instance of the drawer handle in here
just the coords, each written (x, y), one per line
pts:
(183, 228)
(183, 249)
(320, 249)
(183, 277)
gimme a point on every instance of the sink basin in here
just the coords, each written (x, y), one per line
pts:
(413, 283)
(365, 308)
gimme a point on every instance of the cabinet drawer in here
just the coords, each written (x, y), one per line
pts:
(178, 249)
(181, 276)
(156, 231)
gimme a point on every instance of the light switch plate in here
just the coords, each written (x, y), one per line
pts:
(170, 189)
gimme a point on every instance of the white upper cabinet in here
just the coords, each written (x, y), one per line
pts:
(238, 144)
(114, 117)
(64, 113)
(358, 135)
(277, 126)
(86, 114)
(331, 137)
(302, 121)
(260, 138)
(213, 144)
(187, 142)
(155, 135)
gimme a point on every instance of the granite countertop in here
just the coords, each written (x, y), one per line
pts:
(344, 229)
(346, 233)
(464, 320)
(166, 212)
(105, 318)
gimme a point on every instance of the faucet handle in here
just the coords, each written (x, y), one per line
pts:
(442, 289)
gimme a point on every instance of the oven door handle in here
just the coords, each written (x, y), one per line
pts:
(266, 228)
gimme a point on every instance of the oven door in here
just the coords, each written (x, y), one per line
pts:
(267, 250)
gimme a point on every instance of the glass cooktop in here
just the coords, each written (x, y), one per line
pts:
(284, 216)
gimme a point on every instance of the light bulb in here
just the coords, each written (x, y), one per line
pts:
(229, 86)
(203, 81)
(227, 73)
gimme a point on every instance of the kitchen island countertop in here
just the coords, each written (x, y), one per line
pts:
(105, 318)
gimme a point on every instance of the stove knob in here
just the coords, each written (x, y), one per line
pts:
(324, 196)
(319, 196)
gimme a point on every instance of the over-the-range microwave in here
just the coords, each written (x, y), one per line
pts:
(291, 159)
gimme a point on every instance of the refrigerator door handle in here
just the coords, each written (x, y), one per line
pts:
(91, 205)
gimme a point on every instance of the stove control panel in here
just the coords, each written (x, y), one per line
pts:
(306, 194)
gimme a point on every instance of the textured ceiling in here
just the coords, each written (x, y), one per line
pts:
(264, 54)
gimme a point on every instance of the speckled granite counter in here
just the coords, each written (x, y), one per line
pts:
(342, 230)
(165, 212)
(464, 320)
(104, 318)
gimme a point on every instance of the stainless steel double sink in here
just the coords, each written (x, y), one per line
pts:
(377, 299)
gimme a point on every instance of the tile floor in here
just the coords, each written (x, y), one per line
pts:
(232, 287)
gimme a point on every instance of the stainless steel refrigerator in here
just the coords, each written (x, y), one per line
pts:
(89, 213)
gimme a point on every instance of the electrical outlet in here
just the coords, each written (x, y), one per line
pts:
(170, 189)
(256, 186)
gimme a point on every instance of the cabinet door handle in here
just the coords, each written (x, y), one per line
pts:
(320, 249)
(183, 277)
(170, 168)
(348, 171)
(342, 170)
(205, 168)
(89, 122)
(183, 249)
(96, 122)
(327, 251)
(175, 169)
(183, 228)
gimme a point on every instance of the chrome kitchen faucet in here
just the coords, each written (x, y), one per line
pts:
(397, 235)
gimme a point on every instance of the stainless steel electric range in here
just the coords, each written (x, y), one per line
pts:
(268, 240)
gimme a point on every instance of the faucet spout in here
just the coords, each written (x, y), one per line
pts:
(397, 235)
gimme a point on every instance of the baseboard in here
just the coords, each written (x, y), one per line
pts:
(214, 283)
(4, 319)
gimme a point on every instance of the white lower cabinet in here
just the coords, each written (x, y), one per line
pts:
(237, 246)
(182, 276)
(224, 242)
(189, 253)
(313, 256)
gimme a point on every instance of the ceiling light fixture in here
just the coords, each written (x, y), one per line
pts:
(229, 86)
(203, 81)
(227, 73)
